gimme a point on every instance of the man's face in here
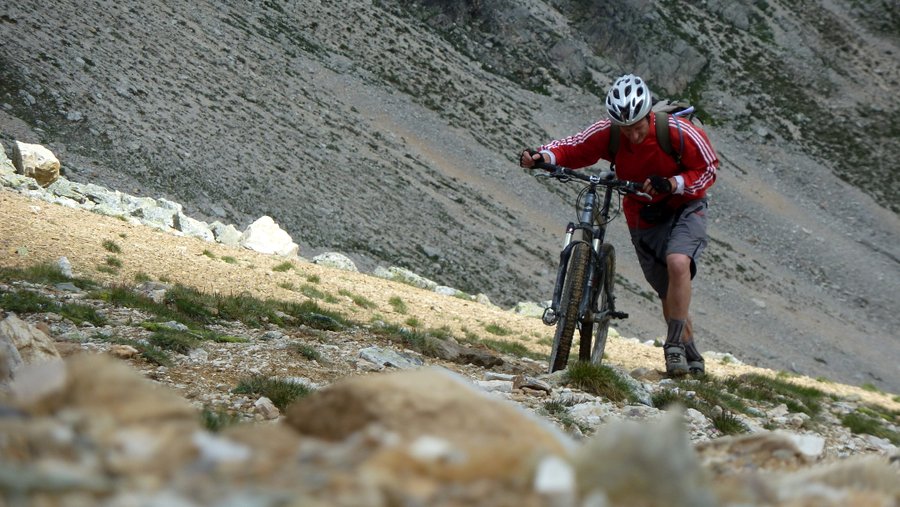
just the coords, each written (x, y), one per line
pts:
(638, 132)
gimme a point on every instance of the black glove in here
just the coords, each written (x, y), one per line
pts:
(531, 153)
(660, 184)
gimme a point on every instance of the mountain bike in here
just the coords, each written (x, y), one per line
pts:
(583, 294)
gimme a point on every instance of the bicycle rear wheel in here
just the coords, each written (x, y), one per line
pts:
(606, 280)
(571, 298)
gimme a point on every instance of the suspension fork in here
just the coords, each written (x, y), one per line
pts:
(564, 255)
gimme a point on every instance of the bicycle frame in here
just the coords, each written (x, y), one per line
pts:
(593, 233)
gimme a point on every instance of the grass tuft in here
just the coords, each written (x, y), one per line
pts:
(306, 351)
(283, 267)
(47, 273)
(862, 423)
(25, 301)
(111, 246)
(600, 380)
(357, 299)
(312, 292)
(218, 419)
(398, 305)
(497, 329)
(181, 342)
(281, 392)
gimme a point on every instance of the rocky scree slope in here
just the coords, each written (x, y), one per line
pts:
(388, 131)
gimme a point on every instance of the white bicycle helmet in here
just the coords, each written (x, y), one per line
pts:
(628, 100)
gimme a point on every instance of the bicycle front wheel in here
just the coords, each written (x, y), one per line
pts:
(569, 302)
(606, 281)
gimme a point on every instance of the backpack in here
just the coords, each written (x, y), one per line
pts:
(662, 109)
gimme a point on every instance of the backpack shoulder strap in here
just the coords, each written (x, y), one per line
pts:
(663, 138)
(662, 133)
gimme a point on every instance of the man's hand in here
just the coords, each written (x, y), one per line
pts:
(529, 158)
(658, 185)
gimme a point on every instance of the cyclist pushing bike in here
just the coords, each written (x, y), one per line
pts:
(668, 231)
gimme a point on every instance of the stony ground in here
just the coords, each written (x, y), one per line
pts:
(389, 133)
(91, 447)
(37, 232)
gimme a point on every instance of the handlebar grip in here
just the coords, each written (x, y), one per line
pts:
(546, 166)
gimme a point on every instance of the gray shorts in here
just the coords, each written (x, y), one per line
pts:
(684, 233)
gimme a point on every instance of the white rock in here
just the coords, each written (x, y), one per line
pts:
(65, 267)
(556, 478)
(495, 386)
(268, 409)
(216, 449)
(335, 260)
(265, 236)
(809, 446)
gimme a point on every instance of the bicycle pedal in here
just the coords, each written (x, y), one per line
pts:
(550, 317)
(619, 315)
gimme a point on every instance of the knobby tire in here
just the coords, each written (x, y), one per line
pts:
(606, 281)
(571, 297)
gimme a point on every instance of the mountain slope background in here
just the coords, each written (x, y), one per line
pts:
(389, 131)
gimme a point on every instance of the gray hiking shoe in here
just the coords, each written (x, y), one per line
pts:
(694, 359)
(676, 362)
(696, 367)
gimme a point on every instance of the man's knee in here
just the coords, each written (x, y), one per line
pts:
(679, 265)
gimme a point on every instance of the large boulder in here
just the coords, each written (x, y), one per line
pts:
(30, 343)
(6, 165)
(629, 463)
(265, 236)
(141, 429)
(335, 260)
(428, 402)
(36, 161)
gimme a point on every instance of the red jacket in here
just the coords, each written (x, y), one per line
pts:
(638, 162)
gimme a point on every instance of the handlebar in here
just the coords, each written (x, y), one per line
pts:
(604, 178)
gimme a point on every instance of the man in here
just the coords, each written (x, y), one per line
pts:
(670, 234)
